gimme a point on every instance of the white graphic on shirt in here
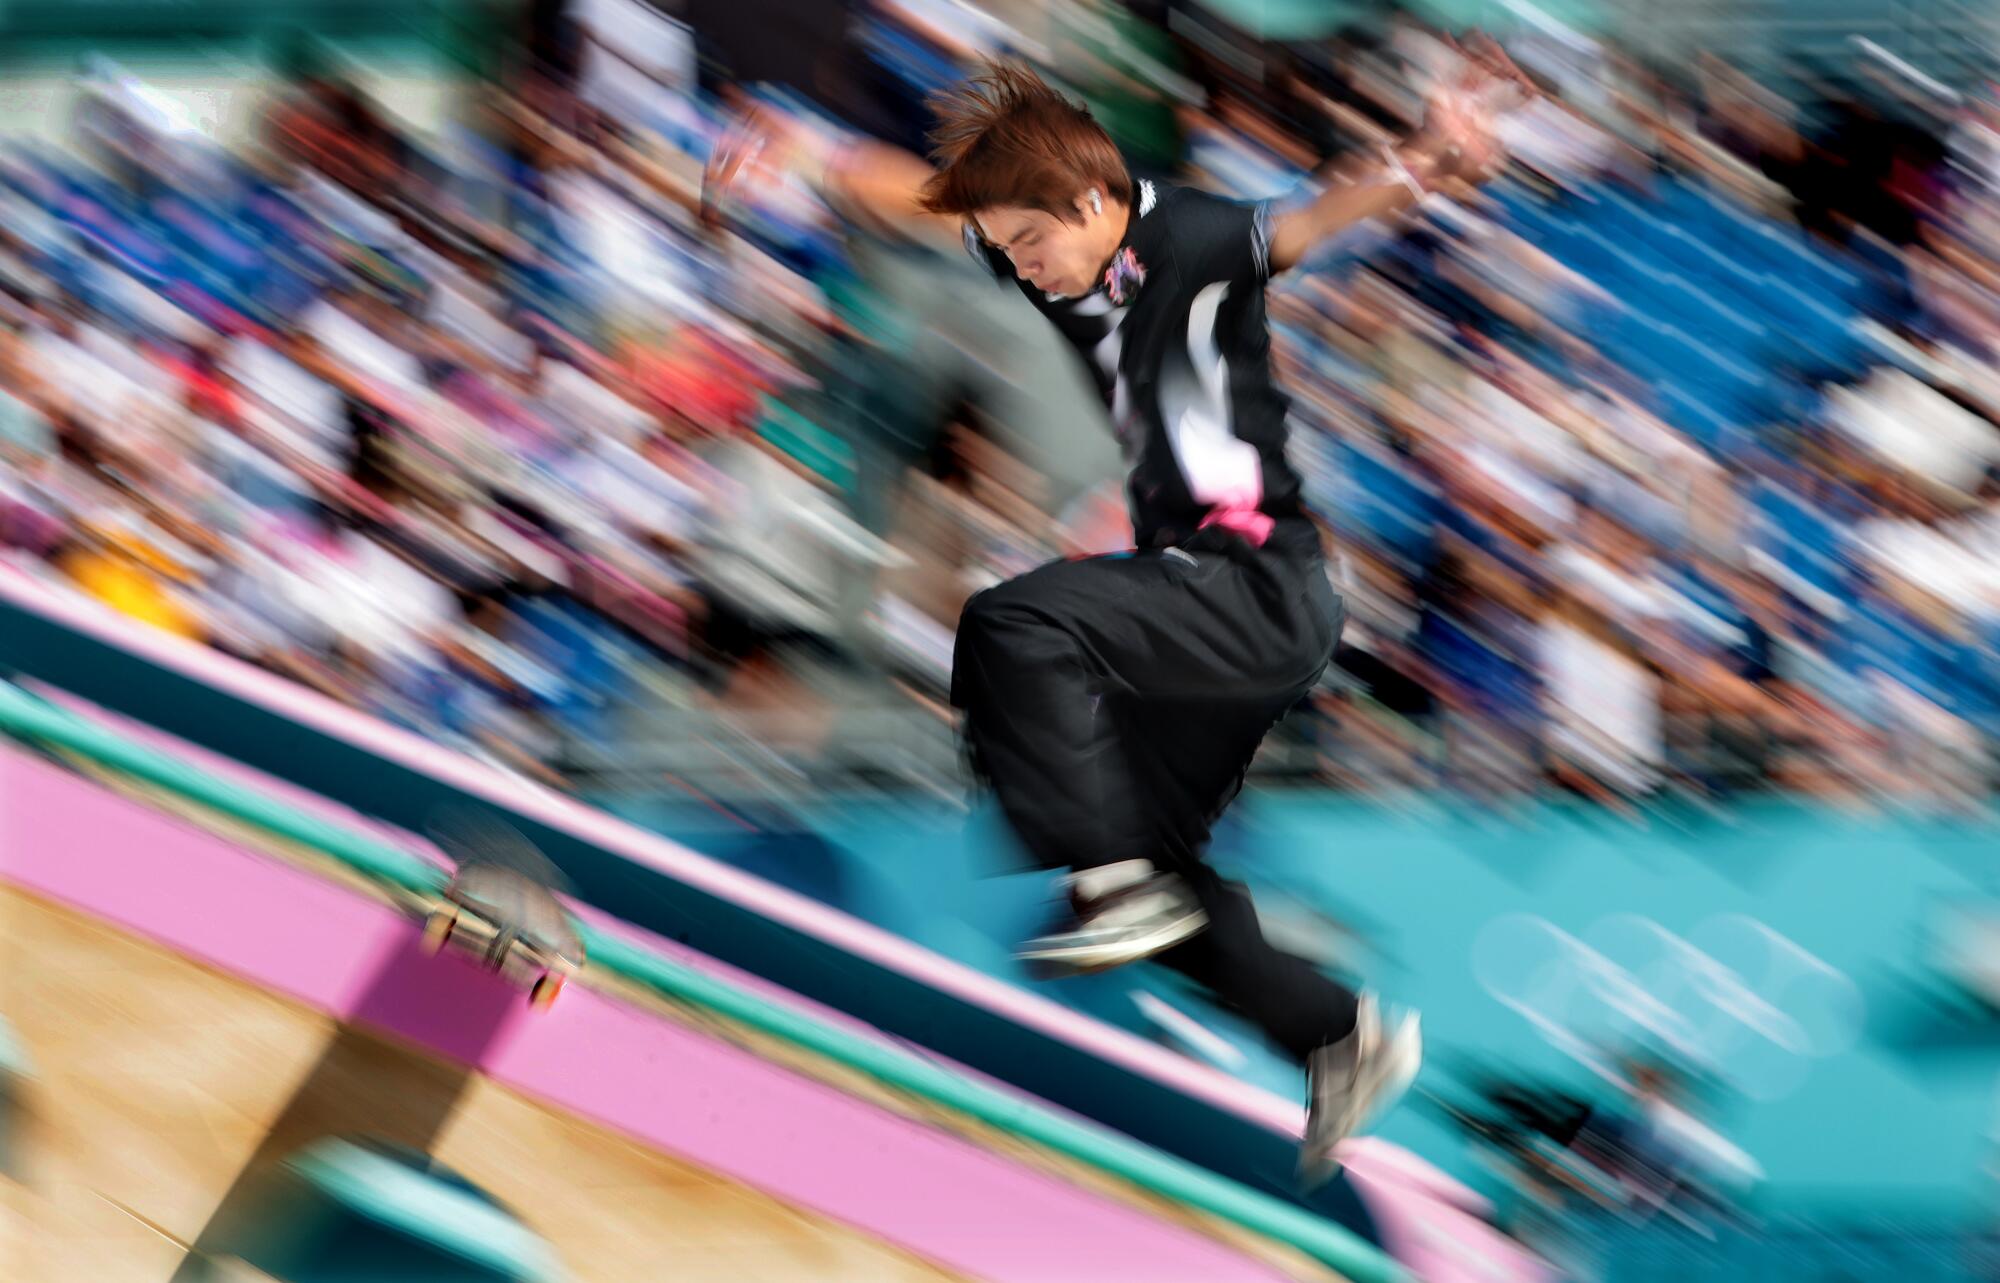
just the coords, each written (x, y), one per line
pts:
(1106, 354)
(1221, 468)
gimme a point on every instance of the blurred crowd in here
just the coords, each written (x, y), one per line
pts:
(1665, 466)
(1587, 1175)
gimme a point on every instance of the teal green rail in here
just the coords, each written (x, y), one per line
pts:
(29, 718)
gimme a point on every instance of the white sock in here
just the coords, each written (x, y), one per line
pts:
(1109, 879)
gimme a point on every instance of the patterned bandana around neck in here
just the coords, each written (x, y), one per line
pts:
(1124, 277)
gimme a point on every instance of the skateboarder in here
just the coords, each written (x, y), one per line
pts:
(1114, 703)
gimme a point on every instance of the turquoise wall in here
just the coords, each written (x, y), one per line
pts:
(1834, 1095)
(1782, 944)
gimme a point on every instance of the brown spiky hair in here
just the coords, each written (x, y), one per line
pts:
(1005, 138)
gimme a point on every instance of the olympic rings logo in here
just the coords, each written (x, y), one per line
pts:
(1737, 997)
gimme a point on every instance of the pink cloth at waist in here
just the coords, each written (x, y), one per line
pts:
(1241, 519)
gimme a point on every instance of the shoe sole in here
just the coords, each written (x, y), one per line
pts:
(1084, 960)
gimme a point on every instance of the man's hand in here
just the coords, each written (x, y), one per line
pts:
(762, 144)
(1459, 134)
(878, 186)
(1456, 144)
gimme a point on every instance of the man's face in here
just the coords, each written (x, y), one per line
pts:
(1051, 254)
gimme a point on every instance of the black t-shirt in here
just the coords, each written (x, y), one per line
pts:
(1179, 347)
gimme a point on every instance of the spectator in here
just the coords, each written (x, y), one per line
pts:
(1620, 467)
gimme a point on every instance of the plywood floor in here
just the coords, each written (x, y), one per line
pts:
(1287, 1260)
(158, 1082)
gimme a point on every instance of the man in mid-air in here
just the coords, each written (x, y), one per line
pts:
(1114, 703)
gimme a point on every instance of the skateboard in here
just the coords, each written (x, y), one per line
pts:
(501, 908)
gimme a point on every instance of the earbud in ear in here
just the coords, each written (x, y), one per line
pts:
(1096, 201)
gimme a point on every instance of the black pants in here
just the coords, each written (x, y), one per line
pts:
(1115, 703)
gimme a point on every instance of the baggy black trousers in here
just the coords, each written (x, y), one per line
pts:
(1114, 705)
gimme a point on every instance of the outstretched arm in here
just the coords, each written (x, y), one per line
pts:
(1377, 192)
(881, 184)
(1455, 143)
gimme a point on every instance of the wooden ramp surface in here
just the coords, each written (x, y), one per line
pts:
(157, 1082)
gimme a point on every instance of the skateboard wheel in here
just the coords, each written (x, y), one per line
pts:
(543, 995)
(438, 928)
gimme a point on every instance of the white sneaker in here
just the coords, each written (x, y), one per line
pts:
(1146, 915)
(1355, 1081)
